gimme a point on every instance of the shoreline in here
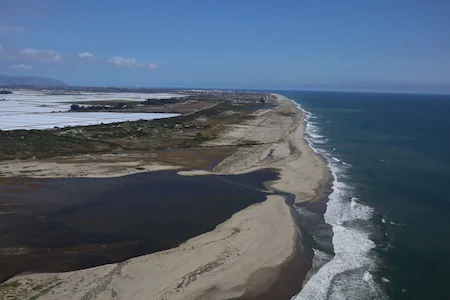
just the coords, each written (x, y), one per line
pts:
(278, 135)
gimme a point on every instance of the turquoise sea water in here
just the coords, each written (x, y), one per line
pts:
(389, 205)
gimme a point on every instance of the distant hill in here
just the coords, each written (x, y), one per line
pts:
(6, 80)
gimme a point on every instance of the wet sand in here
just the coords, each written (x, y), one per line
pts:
(250, 256)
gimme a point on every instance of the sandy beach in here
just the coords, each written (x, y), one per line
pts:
(243, 258)
(91, 166)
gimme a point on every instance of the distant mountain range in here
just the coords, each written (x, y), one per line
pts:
(25, 81)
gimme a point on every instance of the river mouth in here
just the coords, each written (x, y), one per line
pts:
(66, 224)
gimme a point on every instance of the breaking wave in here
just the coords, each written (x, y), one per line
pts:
(349, 273)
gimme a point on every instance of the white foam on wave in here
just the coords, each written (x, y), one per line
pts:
(385, 280)
(320, 259)
(358, 211)
(390, 222)
(367, 277)
(315, 136)
(353, 202)
(312, 135)
(352, 245)
(396, 224)
(336, 159)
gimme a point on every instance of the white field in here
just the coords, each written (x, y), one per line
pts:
(40, 110)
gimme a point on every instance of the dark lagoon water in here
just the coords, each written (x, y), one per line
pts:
(67, 224)
(389, 205)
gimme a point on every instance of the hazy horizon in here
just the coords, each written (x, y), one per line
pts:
(386, 46)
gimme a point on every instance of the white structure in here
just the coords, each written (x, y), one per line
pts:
(39, 110)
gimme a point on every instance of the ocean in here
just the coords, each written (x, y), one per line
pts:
(388, 202)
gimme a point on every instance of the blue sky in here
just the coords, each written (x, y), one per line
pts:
(356, 45)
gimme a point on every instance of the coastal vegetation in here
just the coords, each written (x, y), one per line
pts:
(183, 132)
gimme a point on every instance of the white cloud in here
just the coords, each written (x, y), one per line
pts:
(22, 67)
(1, 47)
(130, 63)
(152, 66)
(39, 55)
(85, 55)
(123, 62)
